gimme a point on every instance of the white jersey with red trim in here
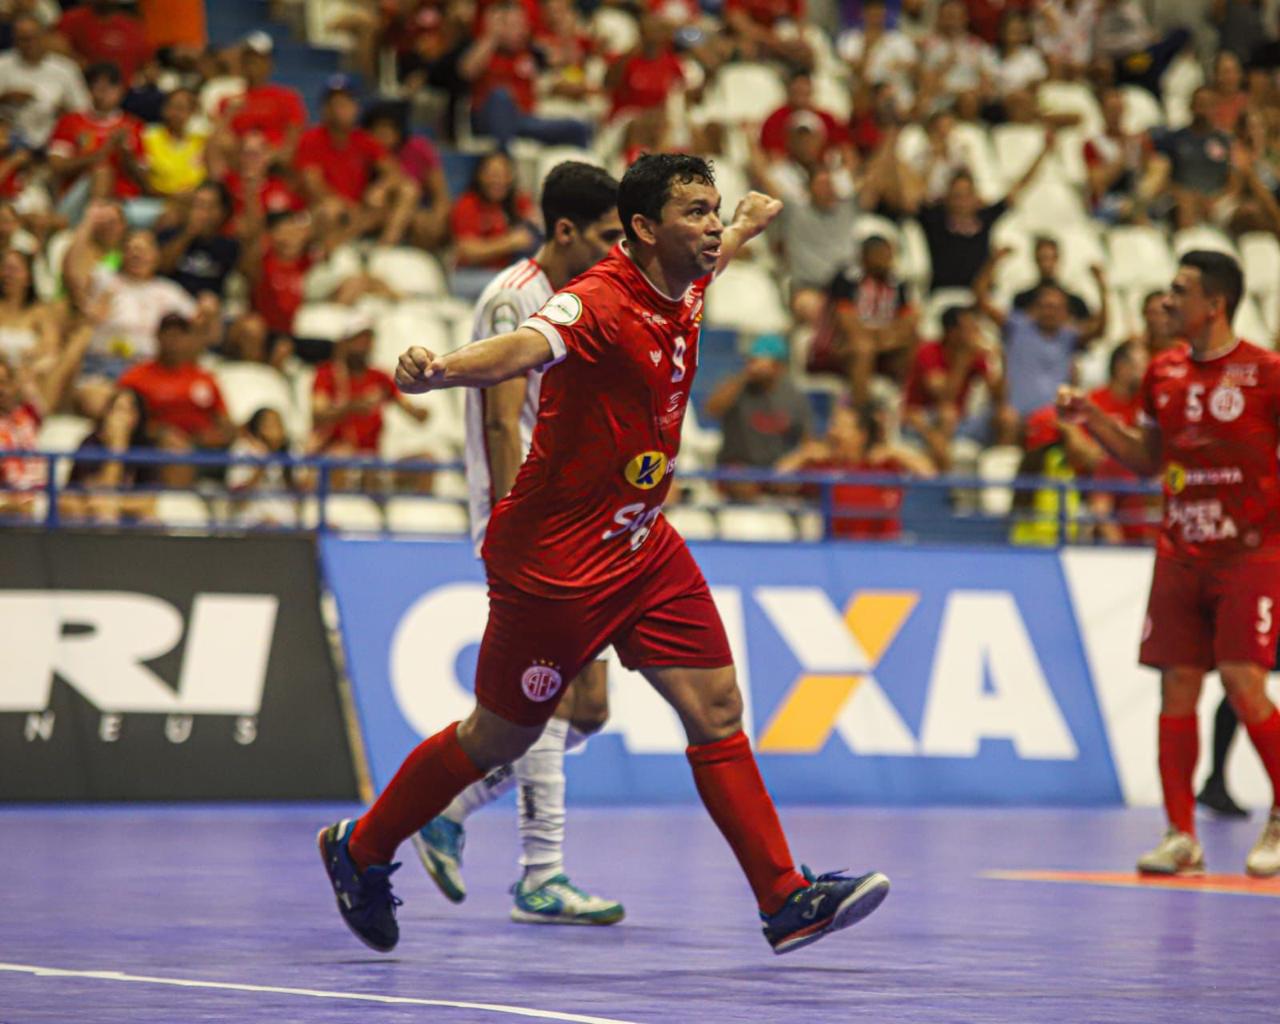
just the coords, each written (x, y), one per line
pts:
(511, 297)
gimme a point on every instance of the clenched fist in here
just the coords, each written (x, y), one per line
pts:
(756, 210)
(1073, 406)
(419, 371)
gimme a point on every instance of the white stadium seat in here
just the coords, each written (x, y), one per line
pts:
(1071, 98)
(426, 515)
(248, 387)
(748, 522)
(182, 509)
(914, 262)
(745, 92)
(691, 523)
(1202, 236)
(325, 320)
(1249, 323)
(355, 512)
(408, 272)
(1139, 258)
(553, 155)
(1016, 148)
(616, 30)
(746, 298)
(1142, 111)
(1260, 255)
(998, 464)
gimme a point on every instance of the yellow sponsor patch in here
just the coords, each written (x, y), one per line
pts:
(646, 470)
(1175, 477)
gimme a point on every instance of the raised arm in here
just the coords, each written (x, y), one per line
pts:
(754, 213)
(480, 364)
(1096, 325)
(1139, 448)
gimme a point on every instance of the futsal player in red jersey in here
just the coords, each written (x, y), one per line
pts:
(579, 556)
(1210, 423)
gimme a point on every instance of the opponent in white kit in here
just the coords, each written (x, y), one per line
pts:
(579, 209)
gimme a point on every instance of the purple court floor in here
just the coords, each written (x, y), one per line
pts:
(189, 915)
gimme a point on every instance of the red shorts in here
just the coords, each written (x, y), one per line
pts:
(533, 646)
(1201, 615)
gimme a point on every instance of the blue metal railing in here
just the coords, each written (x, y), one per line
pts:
(950, 501)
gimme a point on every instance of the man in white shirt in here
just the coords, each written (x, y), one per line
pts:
(581, 217)
(36, 86)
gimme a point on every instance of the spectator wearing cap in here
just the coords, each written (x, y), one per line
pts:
(1046, 254)
(773, 132)
(175, 150)
(642, 79)
(354, 184)
(942, 376)
(1195, 161)
(99, 152)
(1040, 345)
(36, 85)
(200, 255)
(264, 108)
(769, 30)
(420, 162)
(502, 67)
(788, 175)
(182, 399)
(762, 414)
(106, 31)
(868, 323)
(348, 395)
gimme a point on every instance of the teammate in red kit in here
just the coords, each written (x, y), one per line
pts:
(579, 556)
(1210, 423)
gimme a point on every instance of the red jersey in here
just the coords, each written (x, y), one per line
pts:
(360, 430)
(586, 508)
(773, 133)
(20, 431)
(278, 292)
(347, 168)
(270, 109)
(515, 72)
(931, 358)
(473, 216)
(1219, 423)
(81, 133)
(767, 12)
(183, 397)
(646, 81)
(1131, 509)
(117, 38)
(274, 195)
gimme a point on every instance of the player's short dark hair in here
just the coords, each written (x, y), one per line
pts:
(103, 69)
(952, 314)
(647, 185)
(1125, 350)
(1220, 275)
(579, 192)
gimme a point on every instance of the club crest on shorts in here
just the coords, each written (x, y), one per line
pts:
(646, 470)
(541, 681)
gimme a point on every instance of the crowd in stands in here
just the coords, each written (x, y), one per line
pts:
(984, 199)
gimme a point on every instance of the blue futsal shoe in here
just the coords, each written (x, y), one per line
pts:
(365, 900)
(830, 902)
(439, 844)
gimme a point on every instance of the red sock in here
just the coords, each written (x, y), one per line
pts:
(436, 771)
(1179, 751)
(729, 783)
(1266, 739)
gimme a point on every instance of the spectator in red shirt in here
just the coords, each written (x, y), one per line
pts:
(254, 180)
(352, 182)
(642, 79)
(773, 133)
(937, 393)
(502, 67)
(183, 402)
(491, 224)
(769, 30)
(284, 256)
(21, 412)
(421, 164)
(855, 443)
(99, 150)
(348, 395)
(102, 31)
(275, 111)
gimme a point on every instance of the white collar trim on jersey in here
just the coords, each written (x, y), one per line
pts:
(1220, 355)
(648, 280)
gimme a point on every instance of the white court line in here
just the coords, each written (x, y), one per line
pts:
(313, 993)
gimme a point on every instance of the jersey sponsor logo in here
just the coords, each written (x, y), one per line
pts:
(657, 319)
(636, 520)
(655, 357)
(646, 470)
(563, 308)
(1226, 403)
(1241, 374)
(1177, 477)
(1200, 522)
(541, 681)
(504, 318)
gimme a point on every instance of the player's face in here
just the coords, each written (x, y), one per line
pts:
(688, 236)
(592, 243)
(1189, 308)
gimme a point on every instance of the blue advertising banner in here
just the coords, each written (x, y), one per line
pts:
(870, 674)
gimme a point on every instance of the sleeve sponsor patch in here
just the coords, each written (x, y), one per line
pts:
(563, 308)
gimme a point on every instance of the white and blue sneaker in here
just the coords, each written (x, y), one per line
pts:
(439, 844)
(559, 901)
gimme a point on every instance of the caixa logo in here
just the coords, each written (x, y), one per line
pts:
(100, 643)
